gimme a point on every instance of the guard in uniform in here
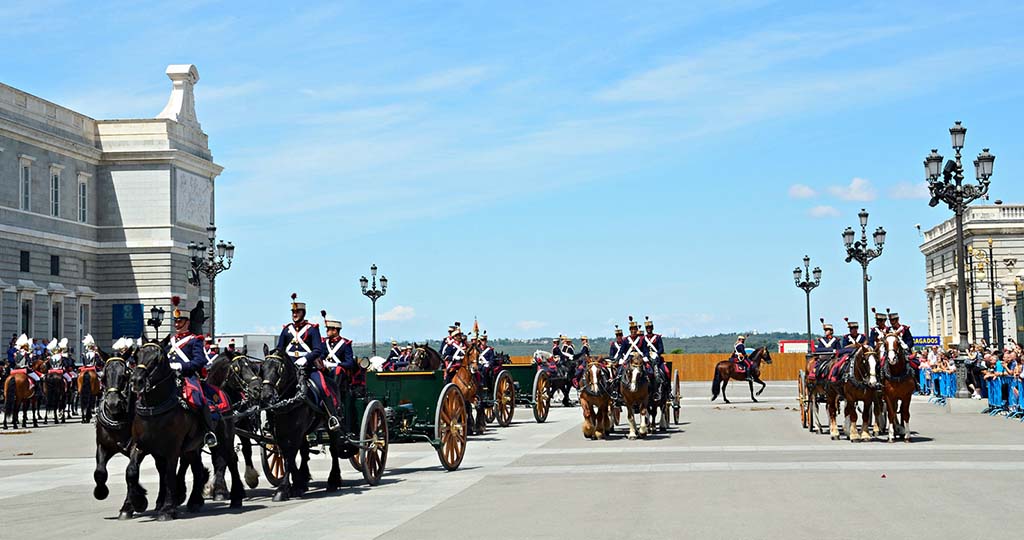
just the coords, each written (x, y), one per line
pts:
(555, 351)
(210, 349)
(487, 361)
(185, 352)
(853, 338)
(393, 355)
(878, 331)
(90, 356)
(655, 347)
(634, 343)
(339, 361)
(66, 362)
(23, 359)
(454, 353)
(903, 331)
(615, 348)
(828, 343)
(739, 353)
(566, 350)
(585, 345)
(300, 340)
(582, 366)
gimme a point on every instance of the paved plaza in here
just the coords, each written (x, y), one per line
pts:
(727, 471)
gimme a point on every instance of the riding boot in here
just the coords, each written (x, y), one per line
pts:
(210, 438)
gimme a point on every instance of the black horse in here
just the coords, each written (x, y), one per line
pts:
(56, 392)
(425, 358)
(113, 421)
(233, 374)
(561, 379)
(292, 416)
(165, 430)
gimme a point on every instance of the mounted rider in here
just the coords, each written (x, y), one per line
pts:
(615, 347)
(23, 359)
(301, 342)
(903, 331)
(62, 360)
(853, 338)
(634, 343)
(90, 353)
(655, 347)
(185, 353)
(739, 354)
(453, 353)
(566, 350)
(210, 349)
(582, 366)
(878, 332)
(340, 363)
(828, 343)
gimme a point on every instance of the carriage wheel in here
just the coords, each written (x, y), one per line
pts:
(504, 399)
(353, 460)
(489, 414)
(541, 399)
(451, 426)
(273, 464)
(374, 456)
(677, 396)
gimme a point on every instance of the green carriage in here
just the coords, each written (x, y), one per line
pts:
(531, 388)
(399, 407)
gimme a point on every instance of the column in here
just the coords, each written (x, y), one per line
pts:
(955, 331)
(942, 311)
(931, 320)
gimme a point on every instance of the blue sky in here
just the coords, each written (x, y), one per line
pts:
(554, 168)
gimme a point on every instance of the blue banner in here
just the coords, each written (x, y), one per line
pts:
(927, 341)
(126, 321)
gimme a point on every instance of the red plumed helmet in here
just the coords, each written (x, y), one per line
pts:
(175, 300)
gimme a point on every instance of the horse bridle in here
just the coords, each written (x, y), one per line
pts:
(149, 383)
(127, 380)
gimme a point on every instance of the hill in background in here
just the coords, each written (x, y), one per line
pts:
(720, 343)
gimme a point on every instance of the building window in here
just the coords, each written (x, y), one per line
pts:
(26, 317)
(83, 321)
(26, 185)
(83, 200)
(55, 191)
(56, 328)
(26, 261)
(943, 262)
(54, 265)
(83, 269)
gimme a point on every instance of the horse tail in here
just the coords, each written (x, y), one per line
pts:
(716, 384)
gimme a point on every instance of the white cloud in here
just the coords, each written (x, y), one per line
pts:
(858, 189)
(455, 79)
(530, 325)
(801, 191)
(823, 211)
(398, 313)
(356, 321)
(910, 190)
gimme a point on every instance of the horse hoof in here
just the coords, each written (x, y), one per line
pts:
(166, 516)
(754, 400)
(220, 497)
(280, 496)
(125, 515)
(236, 503)
(252, 478)
(100, 492)
(140, 503)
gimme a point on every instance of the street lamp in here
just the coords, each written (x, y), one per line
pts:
(209, 260)
(950, 189)
(858, 250)
(156, 319)
(373, 293)
(803, 280)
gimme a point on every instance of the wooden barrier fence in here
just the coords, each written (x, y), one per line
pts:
(701, 367)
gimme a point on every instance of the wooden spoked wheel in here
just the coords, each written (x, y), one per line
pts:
(504, 399)
(451, 426)
(273, 464)
(677, 396)
(373, 456)
(355, 463)
(541, 398)
(489, 414)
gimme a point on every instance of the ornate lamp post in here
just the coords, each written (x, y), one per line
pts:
(156, 319)
(858, 250)
(210, 260)
(373, 293)
(803, 281)
(952, 191)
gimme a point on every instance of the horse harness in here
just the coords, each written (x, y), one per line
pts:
(174, 399)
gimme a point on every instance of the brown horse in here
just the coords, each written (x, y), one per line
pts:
(424, 358)
(19, 396)
(859, 385)
(897, 385)
(88, 392)
(726, 370)
(465, 378)
(633, 387)
(595, 400)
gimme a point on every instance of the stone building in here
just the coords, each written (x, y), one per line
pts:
(1004, 225)
(97, 214)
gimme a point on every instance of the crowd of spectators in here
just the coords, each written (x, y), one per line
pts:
(984, 363)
